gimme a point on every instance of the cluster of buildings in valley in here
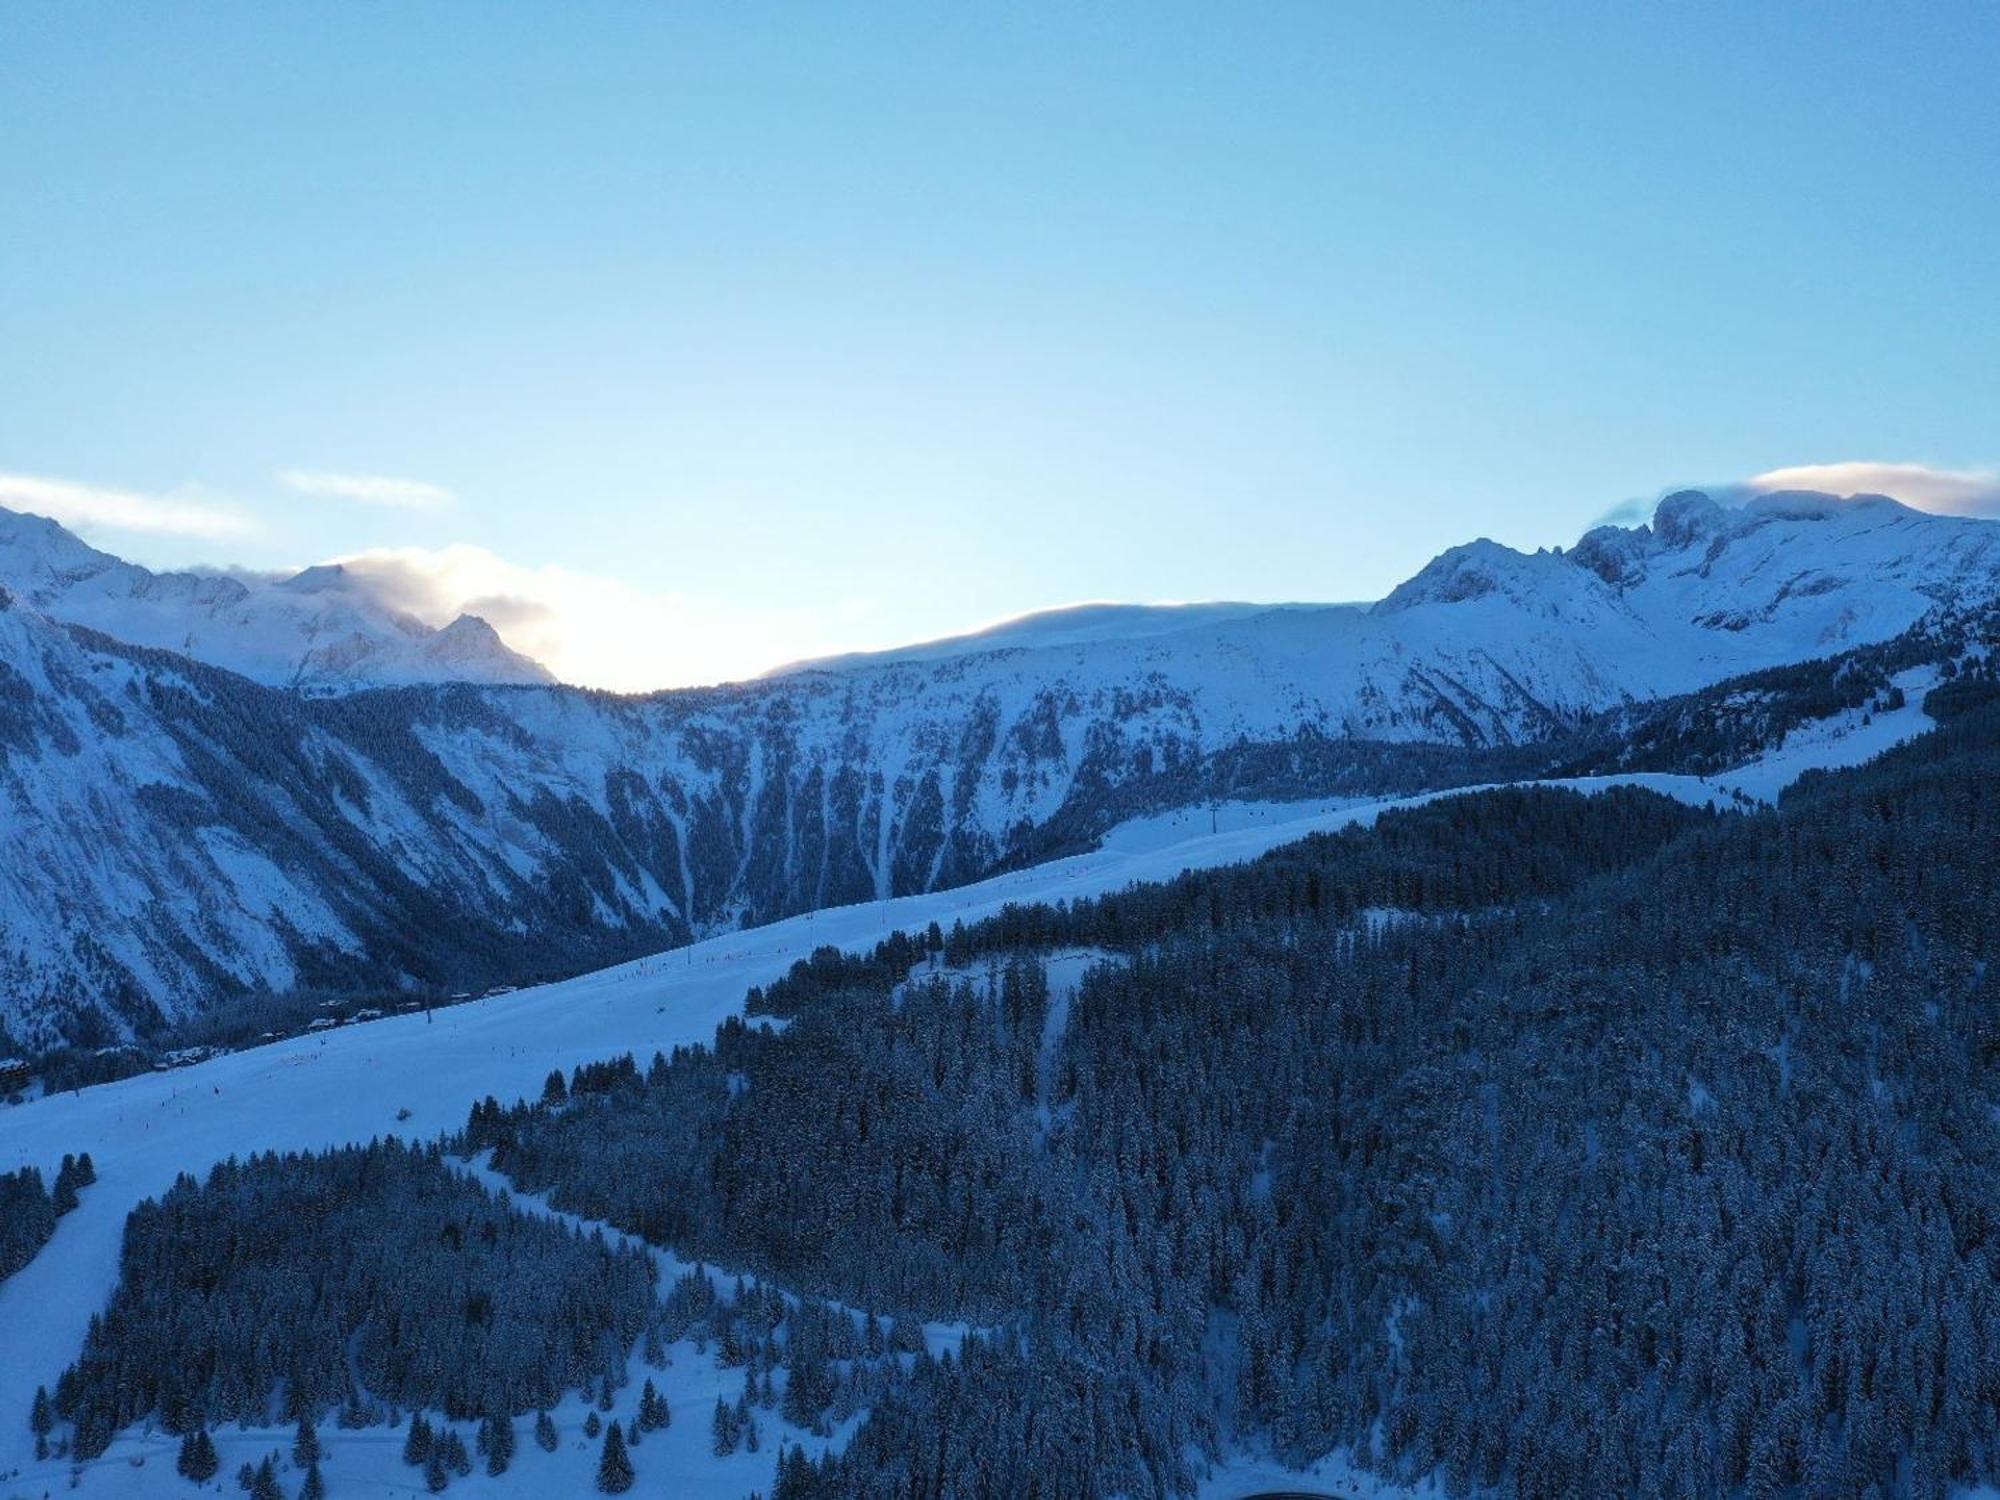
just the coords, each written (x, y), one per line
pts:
(123, 1059)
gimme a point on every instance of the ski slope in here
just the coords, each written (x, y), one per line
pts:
(1844, 739)
(355, 1082)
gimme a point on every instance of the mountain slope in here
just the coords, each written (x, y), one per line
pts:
(314, 630)
(174, 833)
(1068, 625)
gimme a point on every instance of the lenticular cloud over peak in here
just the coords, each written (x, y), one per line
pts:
(1957, 492)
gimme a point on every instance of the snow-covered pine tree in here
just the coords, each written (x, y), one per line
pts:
(614, 1465)
(418, 1441)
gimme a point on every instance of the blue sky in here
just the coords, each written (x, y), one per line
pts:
(694, 338)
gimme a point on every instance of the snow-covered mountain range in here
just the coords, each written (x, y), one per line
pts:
(315, 630)
(175, 833)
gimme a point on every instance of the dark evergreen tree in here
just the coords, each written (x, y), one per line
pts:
(653, 1409)
(184, 1462)
(614, 1465)
(496, 1442)
(418, 1441)
(66, 1186)
(203, 1461)
(41, 1420)
(796, 1477)
(545, 1431)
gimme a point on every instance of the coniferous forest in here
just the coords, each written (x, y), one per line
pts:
(1561, 1145)
(29, 1209)
(1550, 1144)
(288, 1287)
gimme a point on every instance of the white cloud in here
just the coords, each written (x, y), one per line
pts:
(87, 507)
(1625, 513)
(584, 627)
(368, 489)
(1957, 492)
